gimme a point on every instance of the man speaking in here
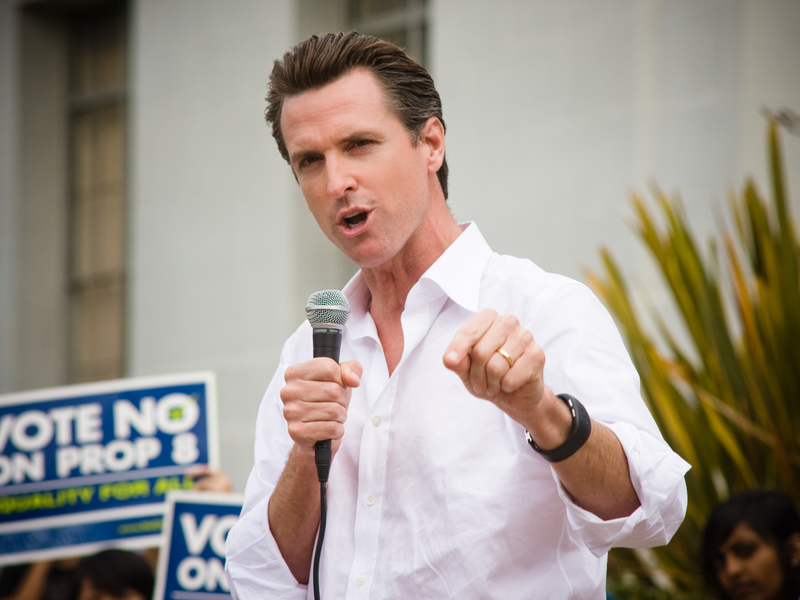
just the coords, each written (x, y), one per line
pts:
(489, 438)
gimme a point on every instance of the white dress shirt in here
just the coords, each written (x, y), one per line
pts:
(435, 493)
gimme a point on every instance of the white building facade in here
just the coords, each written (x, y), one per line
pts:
(555, 111)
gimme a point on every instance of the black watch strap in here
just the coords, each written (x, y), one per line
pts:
(578, 434)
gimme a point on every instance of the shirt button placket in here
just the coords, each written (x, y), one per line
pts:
(371, 482)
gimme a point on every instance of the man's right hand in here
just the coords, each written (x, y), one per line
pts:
(315, 401)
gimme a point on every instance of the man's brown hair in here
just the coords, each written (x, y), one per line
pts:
(321, 60)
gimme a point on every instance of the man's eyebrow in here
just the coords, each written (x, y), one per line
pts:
(360, 135)
(353, 137)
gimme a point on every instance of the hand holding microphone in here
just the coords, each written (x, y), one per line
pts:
(317, 392)
(327, 311)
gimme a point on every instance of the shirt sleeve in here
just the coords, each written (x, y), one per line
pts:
(586, 358)
(254, 565)
(657, 475)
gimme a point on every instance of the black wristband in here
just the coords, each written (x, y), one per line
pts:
(578, 434)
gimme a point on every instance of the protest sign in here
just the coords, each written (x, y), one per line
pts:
(191, 565)
(88, 466)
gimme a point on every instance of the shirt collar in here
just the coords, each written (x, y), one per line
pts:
(459, 269)
(456, 273)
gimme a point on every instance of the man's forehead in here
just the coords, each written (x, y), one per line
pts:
(357, 87)
(352, 105)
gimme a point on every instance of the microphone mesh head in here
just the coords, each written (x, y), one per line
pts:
(328, 307)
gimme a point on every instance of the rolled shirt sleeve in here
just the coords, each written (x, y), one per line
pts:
(586, 357)
(254, 565)
(657, 475)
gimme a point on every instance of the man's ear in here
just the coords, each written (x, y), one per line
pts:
(432, 136)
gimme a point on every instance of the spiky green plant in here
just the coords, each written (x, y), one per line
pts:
(730, 403)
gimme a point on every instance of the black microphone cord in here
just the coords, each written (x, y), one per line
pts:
(323, 502)
(322, 457)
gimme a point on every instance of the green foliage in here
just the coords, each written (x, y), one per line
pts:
(730, 404)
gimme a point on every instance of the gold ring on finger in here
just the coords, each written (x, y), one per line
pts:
(507, 356)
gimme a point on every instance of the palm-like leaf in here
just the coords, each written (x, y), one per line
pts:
(731, 404)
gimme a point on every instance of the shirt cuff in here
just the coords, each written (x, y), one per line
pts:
(254, 564)
(657, 474)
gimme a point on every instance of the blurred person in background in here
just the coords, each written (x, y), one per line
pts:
(114, 575)
(208, 479)
(44, 580)
(751, 547)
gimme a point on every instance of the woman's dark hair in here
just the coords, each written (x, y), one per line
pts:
(768, 513)
(116, 572)
(322, 59)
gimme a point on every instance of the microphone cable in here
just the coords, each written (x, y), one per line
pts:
(322, 458)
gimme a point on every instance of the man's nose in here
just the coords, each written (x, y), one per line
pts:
(340, 177)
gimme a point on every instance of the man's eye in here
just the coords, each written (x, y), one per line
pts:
(362, 143)
(308, 161)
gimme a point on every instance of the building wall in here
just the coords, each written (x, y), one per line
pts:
(210, 275)
(33, 292)
(556, 111)
(8, 193)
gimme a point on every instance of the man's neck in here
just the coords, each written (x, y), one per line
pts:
(390, 283)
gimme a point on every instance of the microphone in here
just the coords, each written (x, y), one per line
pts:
(327, 312)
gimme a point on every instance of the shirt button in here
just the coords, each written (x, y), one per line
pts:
(370, 500)
(361, 579)
(376, 421)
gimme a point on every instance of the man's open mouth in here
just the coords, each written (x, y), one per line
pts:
(356, 219)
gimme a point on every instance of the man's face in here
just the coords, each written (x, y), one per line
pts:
(367, 185)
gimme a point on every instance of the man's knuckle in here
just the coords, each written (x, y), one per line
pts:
(332, 430)
(331, 411)
(331, 392)
(537, 354)
(494, 371)
(509, 321)
(286, 392)
(330, 369)
(290, 373)
(290, 411)
(295, 430)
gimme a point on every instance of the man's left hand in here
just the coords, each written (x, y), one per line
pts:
(514, 384)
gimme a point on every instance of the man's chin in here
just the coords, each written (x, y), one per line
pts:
(365, 253)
